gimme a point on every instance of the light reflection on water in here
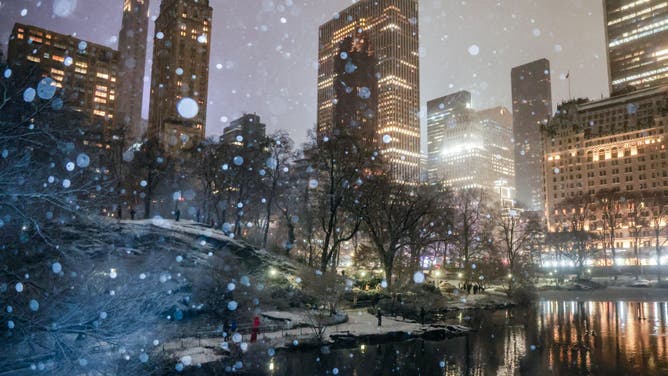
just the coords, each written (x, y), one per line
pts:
(555, 338)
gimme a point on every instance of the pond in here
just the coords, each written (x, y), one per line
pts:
(552, 338)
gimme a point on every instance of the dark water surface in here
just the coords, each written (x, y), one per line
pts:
(555, 338)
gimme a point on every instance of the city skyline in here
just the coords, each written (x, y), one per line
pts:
(531, 32)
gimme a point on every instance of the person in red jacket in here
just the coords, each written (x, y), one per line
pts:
(256, 329)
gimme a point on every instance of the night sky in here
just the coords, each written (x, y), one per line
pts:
(264, 53)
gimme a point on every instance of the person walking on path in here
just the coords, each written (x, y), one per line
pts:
(379, 315)
(422, 313)
(132, 213)
(256, 329)
(177, 214)
(119, 212)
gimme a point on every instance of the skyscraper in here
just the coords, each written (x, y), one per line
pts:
(392, 30)
(180, 75)
(132, 49)
(637, 43)
(85, 71)
(469, 148)
(356, 88)
(244, 131)
(443, 115)
(532, 106)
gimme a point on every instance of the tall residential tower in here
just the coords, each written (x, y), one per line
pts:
(532, 106)
(180, 75)
(85, 71)
(391, 29)
(132, 49)
(637, 43)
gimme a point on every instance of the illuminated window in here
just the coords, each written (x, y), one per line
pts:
(58, 58)
(102, 75)
(34, 59)
(99, 113)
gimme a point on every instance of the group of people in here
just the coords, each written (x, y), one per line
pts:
(476, 288)
(230, 327)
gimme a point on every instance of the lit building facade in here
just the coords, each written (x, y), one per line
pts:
(85, 71)
(637, 43)
(612, 149)
(444, 114)
(532, 106)
(469, 148)
(132, 50)
(392, 30)
(180, 73)
(245, 131)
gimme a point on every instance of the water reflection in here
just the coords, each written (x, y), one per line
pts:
(555, 338)
(605, 337)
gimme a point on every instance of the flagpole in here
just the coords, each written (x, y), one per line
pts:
(568, 75)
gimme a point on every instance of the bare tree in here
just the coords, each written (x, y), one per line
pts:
(610, 202)
(393, 214)
(515, 234)
(655, 209)
(280, 154)
(342, 163)
(470, 228)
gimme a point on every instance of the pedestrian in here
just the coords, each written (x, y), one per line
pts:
(379, 315)
(468, 289)
(132, 213)
(422, 313)
(256, 329)
(198, 215)
(177, 214)
(233, 327)
(475, 289)
(119, 212)
(226, 328)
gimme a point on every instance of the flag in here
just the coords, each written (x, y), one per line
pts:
(568, 75)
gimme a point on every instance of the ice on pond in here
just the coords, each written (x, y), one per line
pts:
(188, 108)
